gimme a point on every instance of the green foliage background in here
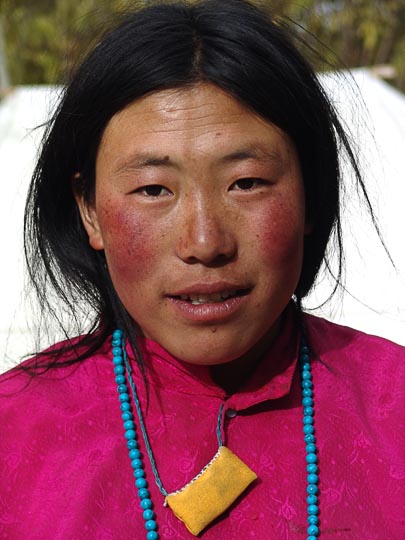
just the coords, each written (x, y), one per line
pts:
(44, 39)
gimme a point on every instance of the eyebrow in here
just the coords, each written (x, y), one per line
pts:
(251, 152)
(256, 152)
(143, 161)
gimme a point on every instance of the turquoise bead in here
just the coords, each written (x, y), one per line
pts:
(148, 514)
(312, 468)
(312, 489)
(132, 444)
(313, 530)
(141, 483)
(118, 334)
(143, 493)
(119, 370)
(130, 435)
(125, 406)
(313, 509)
(146, 503)
(151, 525)
(309, 438)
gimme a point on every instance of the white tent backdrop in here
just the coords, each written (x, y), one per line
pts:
(21, 114)
(374, 300)
(375, 297)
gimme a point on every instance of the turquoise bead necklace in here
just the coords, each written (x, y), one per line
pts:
(123, 378)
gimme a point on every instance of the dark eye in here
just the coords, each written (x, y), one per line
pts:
(153, 190)
(246, 184)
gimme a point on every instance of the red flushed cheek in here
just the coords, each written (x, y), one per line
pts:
(280, 236)
(129, 244)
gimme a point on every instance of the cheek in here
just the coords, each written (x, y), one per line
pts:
(280, 236)
(129, 243)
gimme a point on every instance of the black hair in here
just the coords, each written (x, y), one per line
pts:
(228, 43)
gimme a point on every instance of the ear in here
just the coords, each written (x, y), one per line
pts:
(88, 213)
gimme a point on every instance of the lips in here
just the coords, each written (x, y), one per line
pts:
(213, 303)
(201, 298)
(209, 293)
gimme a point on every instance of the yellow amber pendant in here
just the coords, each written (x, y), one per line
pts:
(212, 491)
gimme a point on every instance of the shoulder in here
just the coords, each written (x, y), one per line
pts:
(334, 340)
(367, 371)
(34, 385)
(41, 411)
(358, 384)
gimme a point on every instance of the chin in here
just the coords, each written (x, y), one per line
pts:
(207, 361)
(208, 353)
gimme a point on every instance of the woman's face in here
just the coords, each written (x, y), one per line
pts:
(199, 208)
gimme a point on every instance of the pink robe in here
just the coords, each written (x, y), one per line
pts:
(65, 473)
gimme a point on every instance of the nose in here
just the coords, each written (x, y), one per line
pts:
(206, 234)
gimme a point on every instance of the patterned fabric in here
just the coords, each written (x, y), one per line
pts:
(65, 472)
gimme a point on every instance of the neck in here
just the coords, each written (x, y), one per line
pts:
(231, 376)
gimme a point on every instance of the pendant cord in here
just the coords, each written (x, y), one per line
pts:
(219, 425)
(142, 424)
(143, 427)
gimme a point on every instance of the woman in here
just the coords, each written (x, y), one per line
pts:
(187, 189)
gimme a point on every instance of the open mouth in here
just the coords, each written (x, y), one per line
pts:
(214, 298)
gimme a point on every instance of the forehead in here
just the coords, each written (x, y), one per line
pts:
(202, 120)
(196, 106)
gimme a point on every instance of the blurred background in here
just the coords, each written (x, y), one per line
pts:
(41, 42)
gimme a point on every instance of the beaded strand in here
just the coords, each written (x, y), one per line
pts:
(310, 442)
(131, 437)
(121, 367)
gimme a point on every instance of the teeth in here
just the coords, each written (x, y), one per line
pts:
(197, 299)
